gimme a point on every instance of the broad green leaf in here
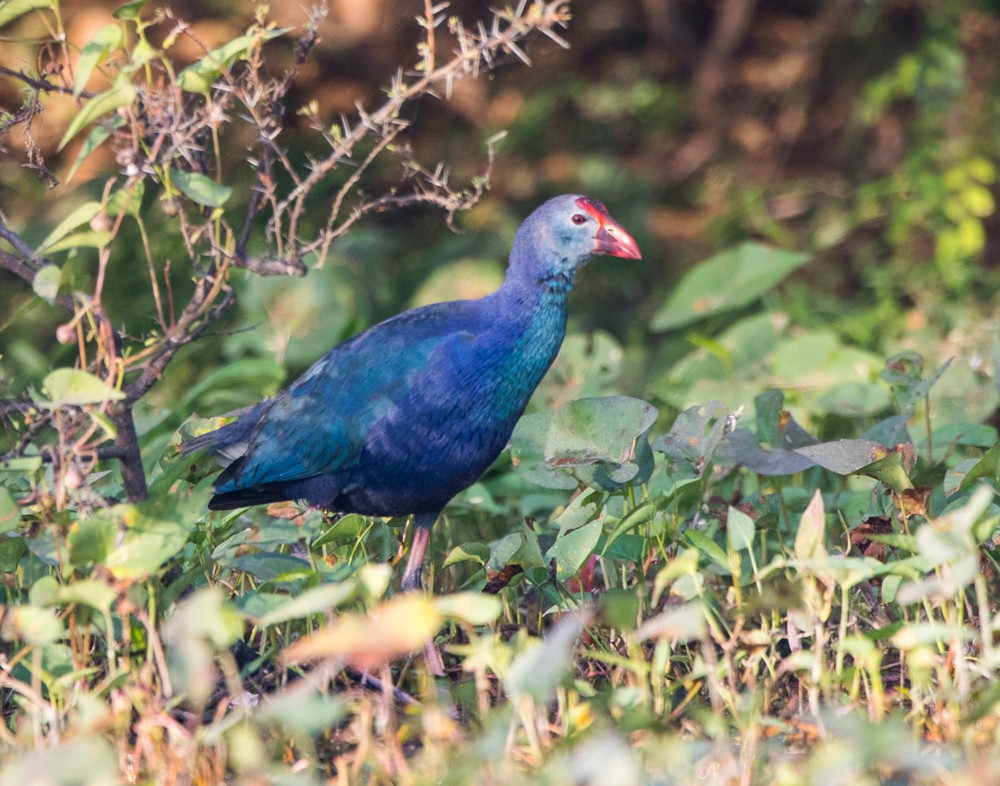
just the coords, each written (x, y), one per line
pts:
(741, 447)
(844, 456)
(475, 551)
(46, 283)
(10, 513)
(346, 528)
(155, 531)
(739, 529)
(198, 77)
(889, 470)
(726, 281)
(270, 567)
(987, 467)
(11, 550)
(200, 188)
(12, 9)
(72, 387)
(81, 215)
(121, 94)
(90, 540)
(694, 436)
(641, 514)
(107, 39)
(571, 550)
(605, 429)
(527, 453)
(709, 548)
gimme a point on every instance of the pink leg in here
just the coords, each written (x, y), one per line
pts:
(415, 561)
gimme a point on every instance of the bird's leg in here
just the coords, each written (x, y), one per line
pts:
(411, 580)
(415, 561)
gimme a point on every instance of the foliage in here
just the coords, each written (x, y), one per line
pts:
(774, 562)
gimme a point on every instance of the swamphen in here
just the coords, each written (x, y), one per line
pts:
(399, 419)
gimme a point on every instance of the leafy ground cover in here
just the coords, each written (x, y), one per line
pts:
(774, 562)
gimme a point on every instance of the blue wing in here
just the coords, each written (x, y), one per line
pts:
(319, 425)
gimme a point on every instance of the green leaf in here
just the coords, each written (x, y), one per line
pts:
(726, 281)
(129, 11)
(709, 548)
(349, 527)
(155, 531)
(641, 514)
(477, 551)
(11, 550)
(200, 188)
(81, 215)
(845, 456)
(90, 540)
(987, 467)
(739, 530)
(198, 77)
(72, 387)
(88, 238)
(10, 512)
(46, 283)
(889, 470)
(591, 430)
(270, 567)
(527, 453)
(97, 135)
(129, 200)
(107, 39)
(12, 9)
(570, 551)
(694, 436)
(121, 94)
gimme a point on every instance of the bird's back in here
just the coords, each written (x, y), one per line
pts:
(402, 417)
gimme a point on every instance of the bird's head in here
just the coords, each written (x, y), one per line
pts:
(557, 239)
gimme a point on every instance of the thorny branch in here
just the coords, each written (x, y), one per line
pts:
(169, 131)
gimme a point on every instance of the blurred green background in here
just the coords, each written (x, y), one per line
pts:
(859, 133)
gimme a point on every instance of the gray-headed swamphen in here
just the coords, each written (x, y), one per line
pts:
(399, 419)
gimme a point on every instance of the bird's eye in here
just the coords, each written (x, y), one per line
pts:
(579, 219)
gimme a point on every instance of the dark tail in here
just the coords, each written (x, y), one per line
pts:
(245, 498)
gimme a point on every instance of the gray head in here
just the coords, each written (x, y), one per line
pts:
(556, 240)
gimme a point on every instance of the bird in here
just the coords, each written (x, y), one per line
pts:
(403, 416)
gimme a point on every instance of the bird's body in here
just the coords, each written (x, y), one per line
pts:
(402, 417)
